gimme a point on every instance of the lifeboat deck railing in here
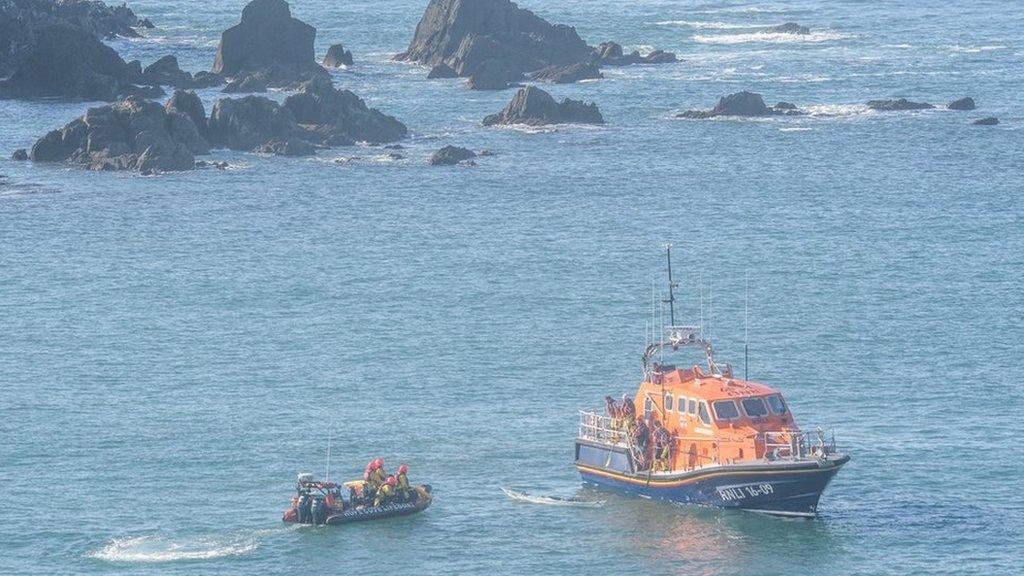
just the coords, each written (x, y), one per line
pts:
(774, 445)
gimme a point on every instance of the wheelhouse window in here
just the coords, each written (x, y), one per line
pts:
(648, 406)
(702, 411)
(726, 410)
(668, 402)
(754, 407)
(776, 404)
(692, 409)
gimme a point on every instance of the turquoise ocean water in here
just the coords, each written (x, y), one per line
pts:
(175, 349)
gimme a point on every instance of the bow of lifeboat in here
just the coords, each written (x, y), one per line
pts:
(731, 443)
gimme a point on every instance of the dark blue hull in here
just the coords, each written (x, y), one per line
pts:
(789, 488)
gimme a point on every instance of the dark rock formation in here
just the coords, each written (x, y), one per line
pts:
(187, 103)
(788, 28)
(129, 135)
(442, 71)
(246, 123)
(567, 74)
(337, 56)
(67, 61)
(962, 104)
(741, 104)
(340, 115)
(144, 23)
(268, 45)
(494, 74)
(165, 72)
(19, 154)
(466, 33)
(896, 105)
(318, 115)
(610, 54)
(24, 25)
(536, 107)
(990, 121)
(254, 82)
(451, 155)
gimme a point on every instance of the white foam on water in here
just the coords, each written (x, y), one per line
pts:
(745, 10)
(152, 549)
(702, 25)
(796, 129)
(975, 49)
(899, 46)
(773, 37)
(842, 110)
(550, 500)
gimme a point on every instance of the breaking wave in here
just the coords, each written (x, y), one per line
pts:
(151, 549)
(975, 49)
(704, 25)
(773, 37)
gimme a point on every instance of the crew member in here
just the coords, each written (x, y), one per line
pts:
(371, 480)
(641, 440)
(386, 492)
(662, 445)
(378, 473)
(402, 484)
(628, 413)
(614, 417)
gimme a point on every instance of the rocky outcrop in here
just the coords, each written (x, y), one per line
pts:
(610, 54)
(21, 20)
(337, 57)
(990, 121)
(567, 74)
(187, 103)
(442, 71)
(319, 115)
(67, 61)
(788, 28)
(741, 104)
(19, 154)
(130, 135)
(962, 104)
(268, 47)
(465, 34)
(535, 107)
(451, 155)
(897, 105)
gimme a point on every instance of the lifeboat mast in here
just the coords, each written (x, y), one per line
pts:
(677, 336)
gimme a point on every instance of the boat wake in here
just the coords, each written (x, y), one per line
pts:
(156, 548)
(551, 500)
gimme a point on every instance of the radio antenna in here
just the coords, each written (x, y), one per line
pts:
(746, 333)
(327, 473)
(671, 287)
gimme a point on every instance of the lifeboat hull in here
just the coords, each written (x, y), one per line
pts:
(790, 488)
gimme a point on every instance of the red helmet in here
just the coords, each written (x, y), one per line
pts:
(392, 481)
(403, 469)
(379, 462)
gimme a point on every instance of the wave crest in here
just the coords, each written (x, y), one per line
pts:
(773, 37)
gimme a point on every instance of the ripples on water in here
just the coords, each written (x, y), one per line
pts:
(173, 346)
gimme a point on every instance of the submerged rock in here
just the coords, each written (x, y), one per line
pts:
(267, 46)
(19, 154)
(466, 33)
(535, 107)
(741, 104)
(897, 105)
(962, 104)
(337, 56)
(788, 28)
(451, 155)
(132, 134)
(567, 74)
(990, 121)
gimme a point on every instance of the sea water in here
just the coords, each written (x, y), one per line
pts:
(176, 348)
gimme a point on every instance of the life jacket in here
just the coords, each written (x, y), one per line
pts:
(403, 482)
(377, 476)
